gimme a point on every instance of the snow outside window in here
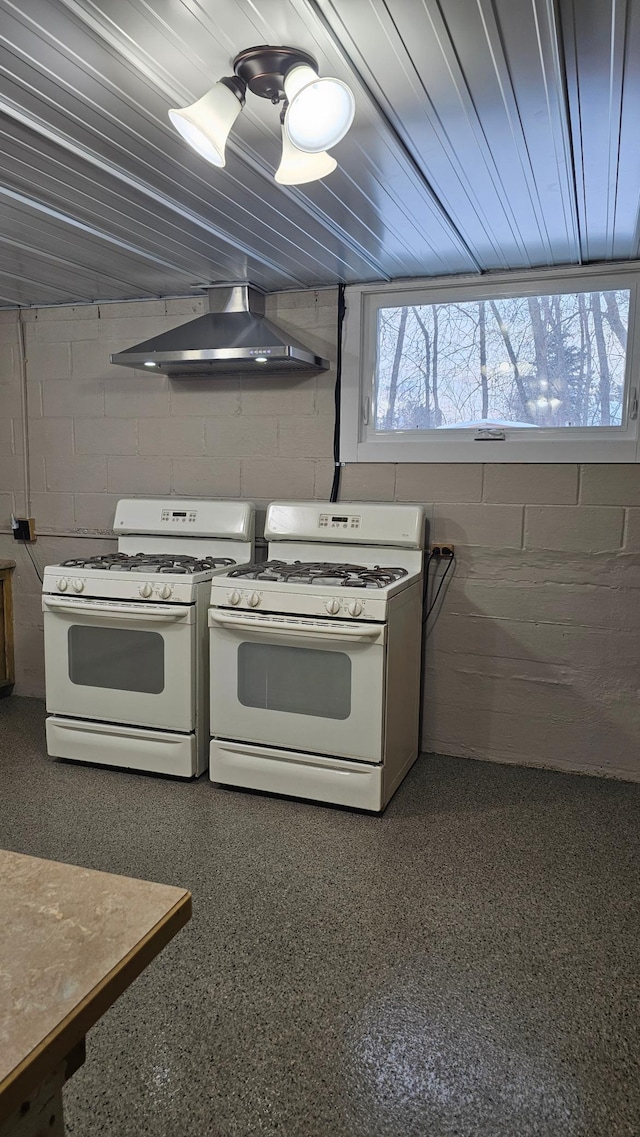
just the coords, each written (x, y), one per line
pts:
(527, 368)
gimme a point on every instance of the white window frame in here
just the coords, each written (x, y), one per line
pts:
(360, 442)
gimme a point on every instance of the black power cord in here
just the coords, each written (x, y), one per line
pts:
(425, 594)
(441, 582)
(335, 487)
(425, 589)
(426, 613)
(33, 562)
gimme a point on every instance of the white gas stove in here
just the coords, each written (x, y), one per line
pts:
(126, 641)
(315, 655)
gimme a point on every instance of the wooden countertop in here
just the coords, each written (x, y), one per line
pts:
(5, 563)
(71, 941)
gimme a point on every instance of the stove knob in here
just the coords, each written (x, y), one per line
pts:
(165, 591)
(77, 585)
(332, 607)
(253, 599)
(145, 590)
(62, 584)
(354, 608)
(234, 597)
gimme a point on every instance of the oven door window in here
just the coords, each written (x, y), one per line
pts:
(121, 659)
(300, 681)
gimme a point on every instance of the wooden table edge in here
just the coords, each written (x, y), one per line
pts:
(53, 1049)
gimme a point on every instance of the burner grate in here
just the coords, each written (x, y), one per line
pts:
(320, 573)
(177, 563)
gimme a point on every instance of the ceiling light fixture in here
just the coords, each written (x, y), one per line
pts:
(205, 125)
(296, 166)
(316, 114)
(320, 110)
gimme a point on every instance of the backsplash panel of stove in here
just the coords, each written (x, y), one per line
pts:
(530, 658)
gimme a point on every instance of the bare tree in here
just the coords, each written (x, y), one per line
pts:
(613, 316)
(559, 378)
(395, 370)
(539, 338)
(583, 394)
(504, 332)
(437, 413)
(605, 378)
(427, 367)
(482, 328)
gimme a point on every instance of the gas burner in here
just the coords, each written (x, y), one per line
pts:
(334, 575)
(176, 563)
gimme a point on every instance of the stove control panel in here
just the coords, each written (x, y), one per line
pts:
(335, 606)
(247, 599)
(178, 515)
(339, 521)
(163, 591)
(287, 601)
(119, 586)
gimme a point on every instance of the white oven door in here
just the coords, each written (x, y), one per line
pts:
(300, 683)
(117, 661)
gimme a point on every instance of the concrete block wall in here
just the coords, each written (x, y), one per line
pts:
(535, 653)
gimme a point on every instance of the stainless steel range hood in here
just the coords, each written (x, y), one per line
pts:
(233, 338)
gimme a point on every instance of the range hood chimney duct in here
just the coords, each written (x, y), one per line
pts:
(233, 338)
(236, 298)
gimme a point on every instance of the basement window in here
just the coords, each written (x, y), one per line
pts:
(535, 367)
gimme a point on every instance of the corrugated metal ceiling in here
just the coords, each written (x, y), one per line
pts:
(489, 134)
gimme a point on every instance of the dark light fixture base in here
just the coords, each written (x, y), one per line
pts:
(263, 69)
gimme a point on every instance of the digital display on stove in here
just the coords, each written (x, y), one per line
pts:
(178, 515)
(339, 521)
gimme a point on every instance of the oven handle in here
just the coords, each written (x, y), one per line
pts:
(267, 624)
(112, 612)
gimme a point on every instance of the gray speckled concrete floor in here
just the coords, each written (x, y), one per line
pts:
(467, 964)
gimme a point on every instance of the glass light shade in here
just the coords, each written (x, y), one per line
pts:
(205, 125)
(320, 110)
(297, 167)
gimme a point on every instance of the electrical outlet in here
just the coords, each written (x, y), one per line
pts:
(24, 529)
(440, 550)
